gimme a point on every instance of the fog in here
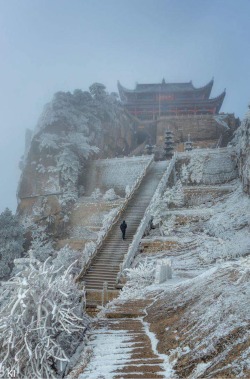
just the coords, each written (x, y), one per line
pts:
(60, 45)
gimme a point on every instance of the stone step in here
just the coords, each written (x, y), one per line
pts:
(99, 279)
(94, 283)
(99, 287)
(101, 265)
(117, 252)
(107, 268)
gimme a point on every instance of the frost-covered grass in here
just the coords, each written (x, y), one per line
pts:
(41, 321)
(206, 235)
(213, 326)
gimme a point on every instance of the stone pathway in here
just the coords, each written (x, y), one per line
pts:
(123, 347)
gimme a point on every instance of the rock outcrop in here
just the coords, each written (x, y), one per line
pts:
(73, 129)
(242, 144)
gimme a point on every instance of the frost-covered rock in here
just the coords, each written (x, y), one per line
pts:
(72, 128)
(212, 166)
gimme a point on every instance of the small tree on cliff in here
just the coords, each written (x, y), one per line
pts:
(11, 242)
(97, 90)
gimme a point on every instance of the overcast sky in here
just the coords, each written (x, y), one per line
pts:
(60, 45)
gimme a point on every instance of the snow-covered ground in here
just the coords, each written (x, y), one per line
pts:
(205, 235)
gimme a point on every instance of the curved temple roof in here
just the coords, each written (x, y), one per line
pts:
(164, 87)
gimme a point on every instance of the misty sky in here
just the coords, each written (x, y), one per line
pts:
(54, 45)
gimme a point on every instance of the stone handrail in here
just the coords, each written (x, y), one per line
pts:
(105, 233)
(133, 247)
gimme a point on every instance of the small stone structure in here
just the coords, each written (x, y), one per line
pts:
(163, 270)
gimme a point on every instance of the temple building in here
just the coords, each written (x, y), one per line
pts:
(148, 101)
(182, 108)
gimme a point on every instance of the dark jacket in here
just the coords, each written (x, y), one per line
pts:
(123, 226)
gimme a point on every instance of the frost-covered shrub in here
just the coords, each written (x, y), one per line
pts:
(89, 249)
(158, 211)
(96, 194)
(107, 221)
(68, 197)
(68, 257)
(210, 250)
(41, 245)
(167, 226)
(137, 279)
(184, 174)
(196, 167)
(80, 144)
(41, 322)
(110, 195)
(174, 197)
(68, 165)
(40, 168)
(48, 141)
(11, 241)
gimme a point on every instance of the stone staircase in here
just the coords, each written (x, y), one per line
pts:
(123, 347)
(106, 264)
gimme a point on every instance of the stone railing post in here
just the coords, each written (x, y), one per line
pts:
(104, 293)
(163, 270)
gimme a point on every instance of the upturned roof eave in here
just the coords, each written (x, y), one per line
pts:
(219, 99)
(160, 88)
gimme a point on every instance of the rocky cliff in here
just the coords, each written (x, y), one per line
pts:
(242, 144)
(72, 129)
